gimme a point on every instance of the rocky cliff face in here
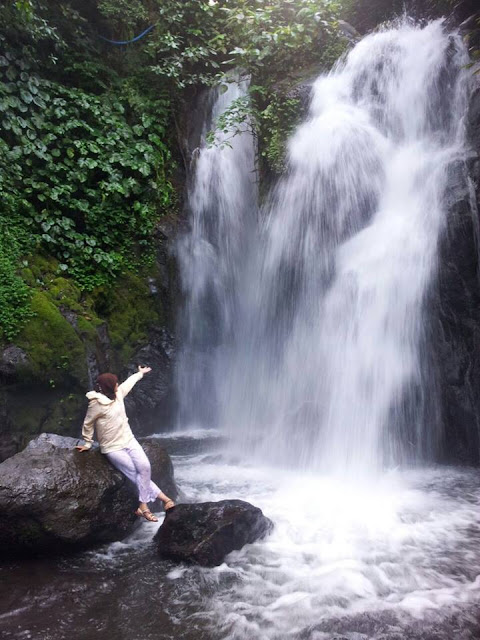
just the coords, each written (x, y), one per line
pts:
(455, 329)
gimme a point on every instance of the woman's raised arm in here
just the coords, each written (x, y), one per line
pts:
(130, 382)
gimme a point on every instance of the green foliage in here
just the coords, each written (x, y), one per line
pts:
(277, 122)
(14, 299)
(275, 38)
(271, 125)
(195, 41)
(85, 140)
(239, 116)
(14, 293)
(188, 43)
(88, 172)
(84, 170)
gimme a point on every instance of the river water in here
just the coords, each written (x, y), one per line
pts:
(396, 560)
(303, 354)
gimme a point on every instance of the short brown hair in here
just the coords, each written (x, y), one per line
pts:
(106, 383)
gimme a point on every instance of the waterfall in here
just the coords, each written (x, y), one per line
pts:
(222, 201)
(317, 308)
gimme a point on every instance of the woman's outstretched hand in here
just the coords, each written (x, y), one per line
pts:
(144, 370)
(81, 447)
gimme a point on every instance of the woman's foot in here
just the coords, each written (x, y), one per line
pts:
(168, 504)
(147, 514)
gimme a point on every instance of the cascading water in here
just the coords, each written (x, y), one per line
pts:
(222, 200)
(320, 362)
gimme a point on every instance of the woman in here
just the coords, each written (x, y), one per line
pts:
(106, 414)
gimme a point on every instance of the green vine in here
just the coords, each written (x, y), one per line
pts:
(85, 177)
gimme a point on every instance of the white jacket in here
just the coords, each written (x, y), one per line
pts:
(108, 418)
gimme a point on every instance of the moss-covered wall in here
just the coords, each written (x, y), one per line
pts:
(71, 337)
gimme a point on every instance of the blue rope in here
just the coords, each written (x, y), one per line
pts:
(144, 33)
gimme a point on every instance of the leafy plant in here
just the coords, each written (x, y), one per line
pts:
(275, 38)
(276, 123)
(239, 116)
(85, 139)
(88, 172)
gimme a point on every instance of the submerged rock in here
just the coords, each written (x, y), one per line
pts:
(55, 498)
(205, 533)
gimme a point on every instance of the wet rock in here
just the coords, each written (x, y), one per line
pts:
(456, 323)
(460, 624)
(9, 446)
(455, 304)
(54, 498)
(468, 24)
(70, 316)
(473, 121)
(151, 403)
(11, 359)
(205, 533)
(348, 31)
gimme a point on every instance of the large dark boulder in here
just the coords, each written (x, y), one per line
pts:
(55, 498)
(205, 533)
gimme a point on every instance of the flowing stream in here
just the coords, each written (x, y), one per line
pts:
(397, 559)
(304, 386)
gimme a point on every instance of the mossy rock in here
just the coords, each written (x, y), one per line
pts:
(66, 322)
(87, 326)
(66, 293)
(53, 347)
(68, 328)
(130, 310)
(39, 268)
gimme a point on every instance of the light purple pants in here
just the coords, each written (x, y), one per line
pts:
(132, 461)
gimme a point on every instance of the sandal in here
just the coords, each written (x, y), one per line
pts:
(147, 514)
(171, 503)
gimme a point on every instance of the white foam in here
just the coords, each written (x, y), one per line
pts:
(195, 433)
(403, 544)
